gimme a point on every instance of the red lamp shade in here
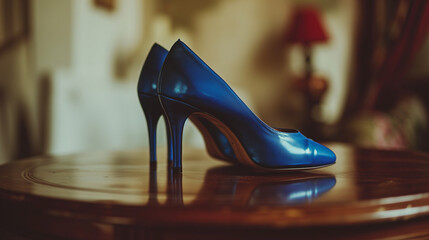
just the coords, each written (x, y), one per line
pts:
(306, 27)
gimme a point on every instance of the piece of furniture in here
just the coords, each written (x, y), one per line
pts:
(367, 194)
(306, 29)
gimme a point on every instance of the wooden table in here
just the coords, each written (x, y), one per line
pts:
(366, 194)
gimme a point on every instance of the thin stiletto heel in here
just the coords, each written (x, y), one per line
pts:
(176, 113)
(170, 152)
(153, 112)
(152, 115)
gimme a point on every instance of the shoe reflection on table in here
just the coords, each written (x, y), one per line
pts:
(302, 191)
(237, 186)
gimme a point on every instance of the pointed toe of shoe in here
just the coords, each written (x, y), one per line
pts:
(323, 155)
(323, 185)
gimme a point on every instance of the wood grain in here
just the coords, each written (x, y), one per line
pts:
(370, 193)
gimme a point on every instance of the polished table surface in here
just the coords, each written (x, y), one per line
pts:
(118, 195)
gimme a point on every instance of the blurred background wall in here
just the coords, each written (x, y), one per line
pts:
(69, 68)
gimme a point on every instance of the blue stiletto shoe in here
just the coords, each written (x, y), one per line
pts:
(148, 96)
(186, 86)
(217, 144)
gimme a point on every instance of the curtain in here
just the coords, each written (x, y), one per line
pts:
(389, 34)
(400, 53)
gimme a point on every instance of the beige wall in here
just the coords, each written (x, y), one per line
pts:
(94, 104)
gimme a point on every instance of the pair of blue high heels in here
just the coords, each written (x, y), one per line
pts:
(179, 85)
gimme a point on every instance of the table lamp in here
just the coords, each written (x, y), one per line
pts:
(307, 29)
